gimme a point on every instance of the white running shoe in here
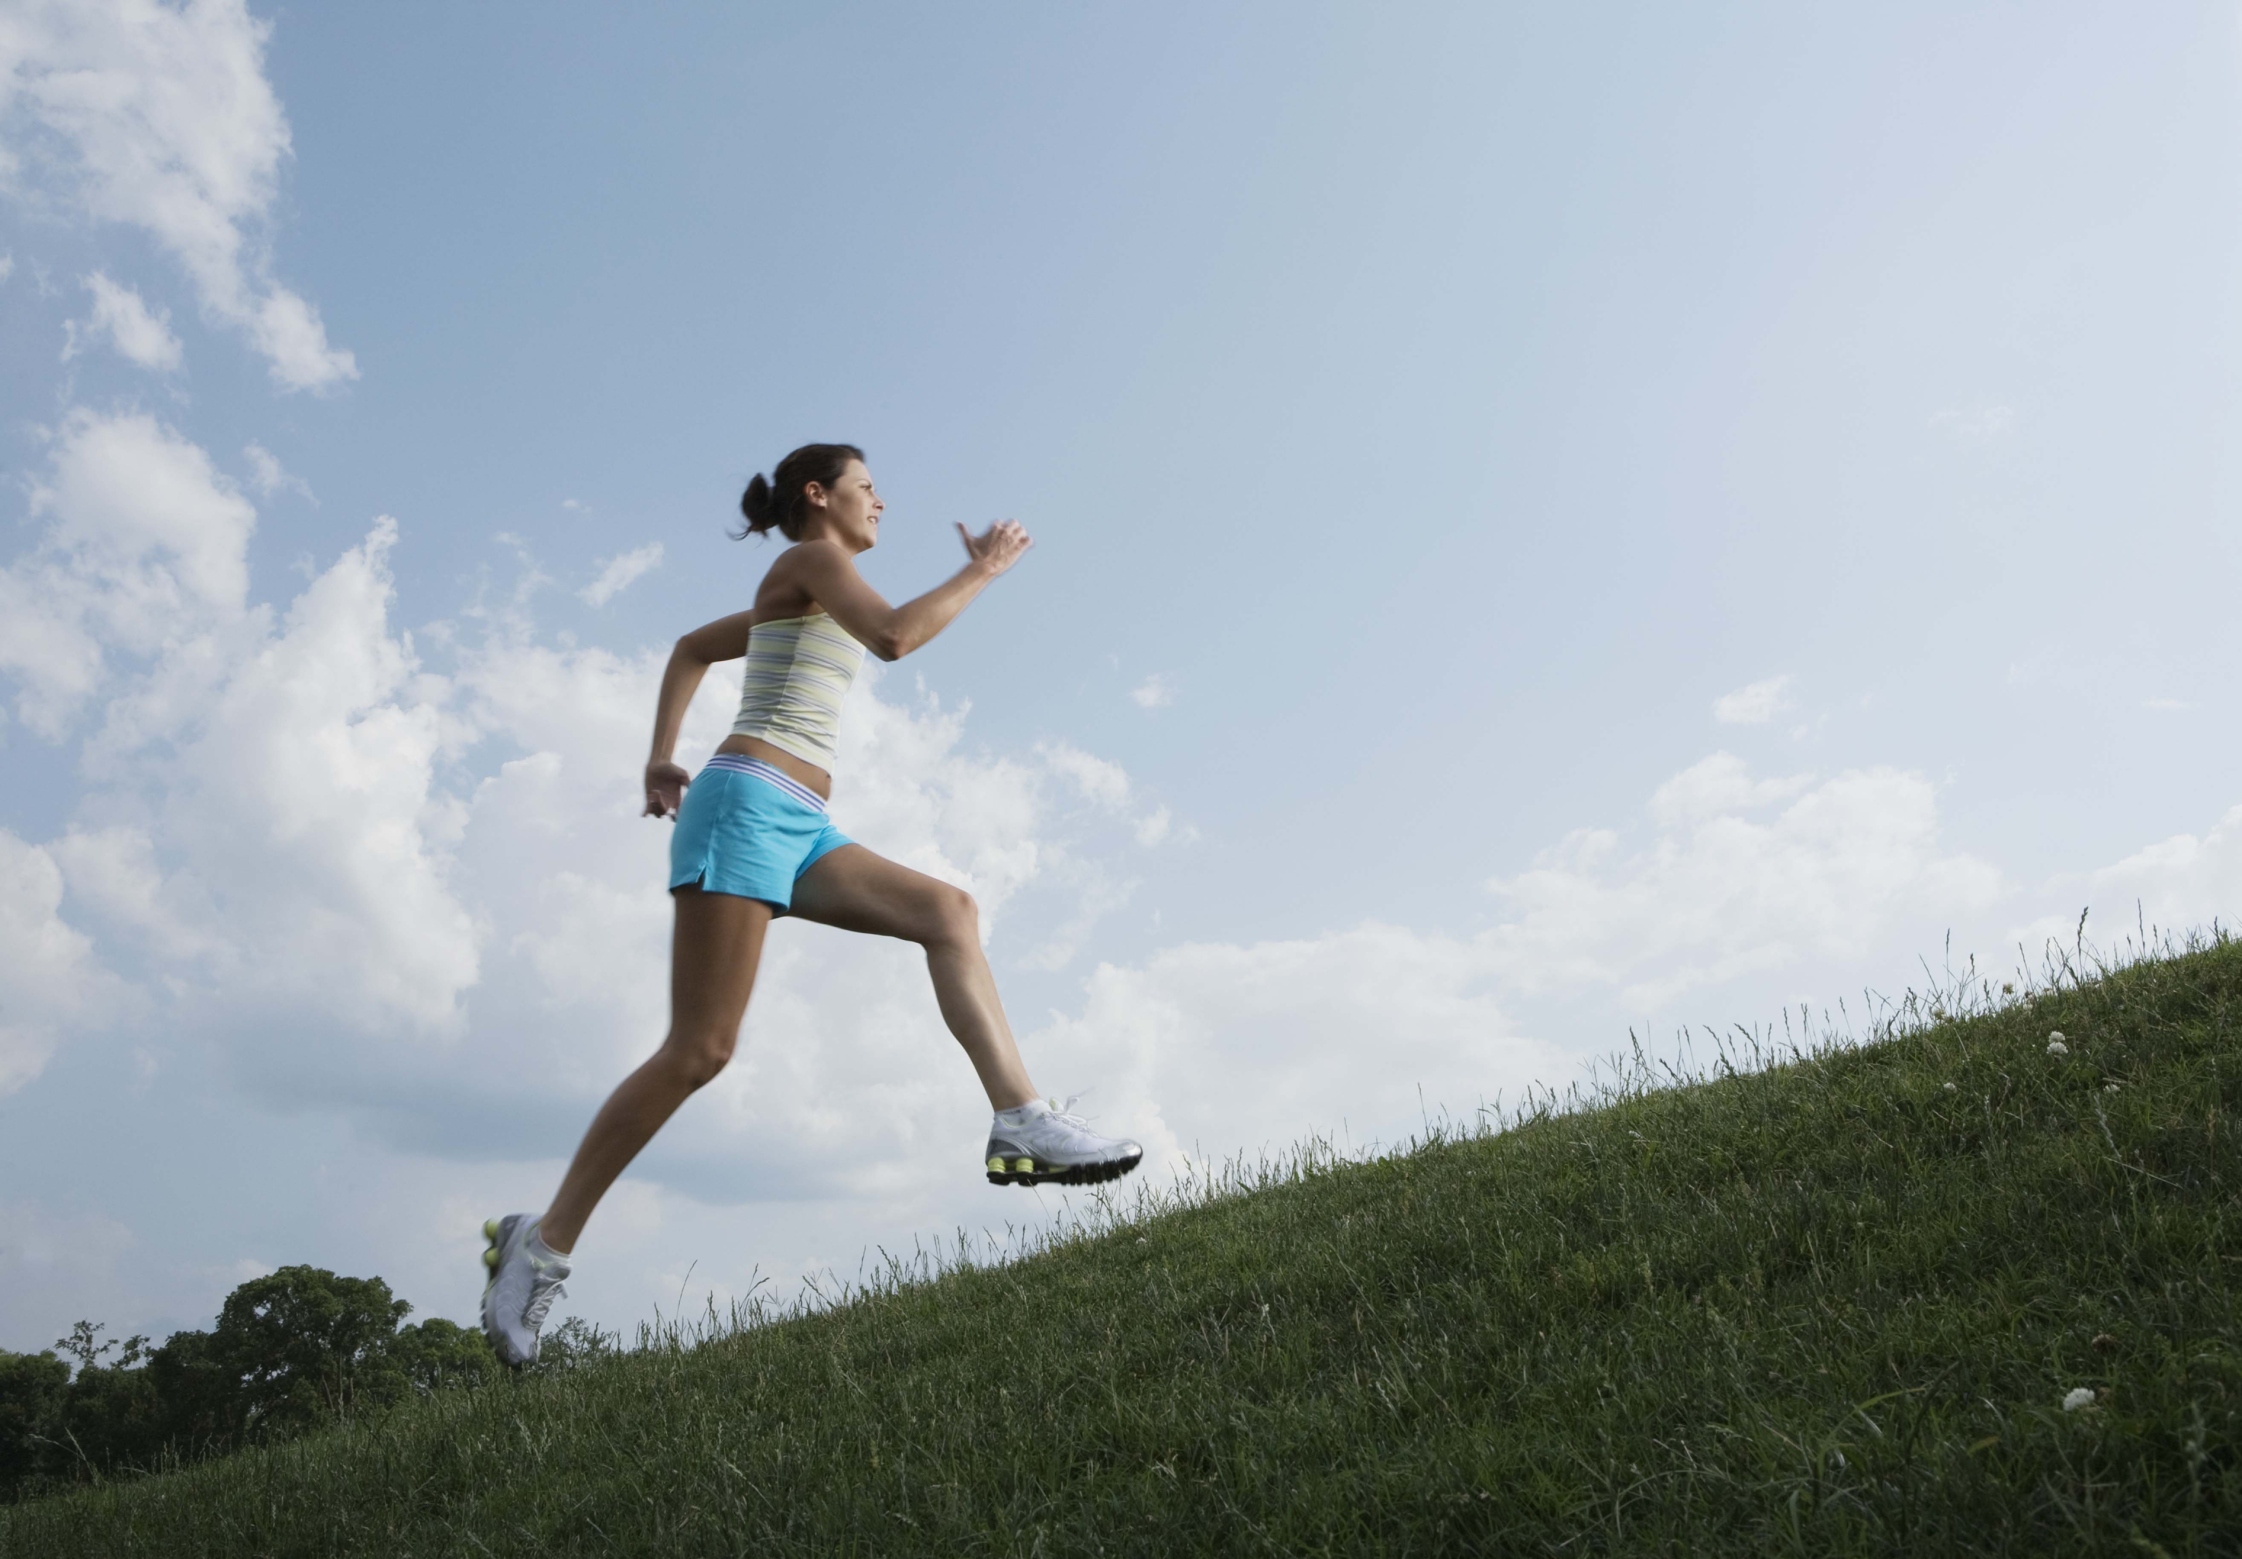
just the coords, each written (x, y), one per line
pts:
(1040, 1142)
(525, 1279)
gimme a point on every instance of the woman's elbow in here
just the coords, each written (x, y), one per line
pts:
(890, 644)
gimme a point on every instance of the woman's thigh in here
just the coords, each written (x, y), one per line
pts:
(713, 955)
(856, 890)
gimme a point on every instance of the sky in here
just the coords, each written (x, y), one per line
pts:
(1552, 523)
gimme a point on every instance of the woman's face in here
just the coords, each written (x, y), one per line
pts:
(851, 508)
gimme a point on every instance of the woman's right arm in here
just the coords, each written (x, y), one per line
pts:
(724, 639)
(828, 574)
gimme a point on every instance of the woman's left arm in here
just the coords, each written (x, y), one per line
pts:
(724, 639)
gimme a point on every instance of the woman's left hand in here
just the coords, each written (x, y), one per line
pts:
(665, 789)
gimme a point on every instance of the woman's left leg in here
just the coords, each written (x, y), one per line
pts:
(714, 951)
(713, 954)
(858, 891)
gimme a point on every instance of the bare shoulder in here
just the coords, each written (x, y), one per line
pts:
(812, 574)
(786, 590)
(816, 558)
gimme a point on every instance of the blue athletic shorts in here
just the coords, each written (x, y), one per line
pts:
(749, 828)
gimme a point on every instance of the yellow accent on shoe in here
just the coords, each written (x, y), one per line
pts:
(996, 1166)
(490, 1258)
(490, 1229)
(1024, 1166)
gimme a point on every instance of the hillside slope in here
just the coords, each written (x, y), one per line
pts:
(1832, 1307)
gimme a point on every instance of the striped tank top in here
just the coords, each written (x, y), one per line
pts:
(798, 671)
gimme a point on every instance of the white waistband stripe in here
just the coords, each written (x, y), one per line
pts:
(769, 774)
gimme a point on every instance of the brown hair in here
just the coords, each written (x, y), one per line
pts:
(777, 504)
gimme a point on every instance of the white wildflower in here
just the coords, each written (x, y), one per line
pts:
(1949, 1087)
(2109, 1088)
(2078, 1397)
(2056, 1047)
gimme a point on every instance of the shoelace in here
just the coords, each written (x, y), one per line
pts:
(1065, 1111)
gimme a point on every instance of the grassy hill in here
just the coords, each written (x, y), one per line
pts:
(1835, 1306)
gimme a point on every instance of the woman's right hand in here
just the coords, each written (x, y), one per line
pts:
(997, 548)
(665, 789)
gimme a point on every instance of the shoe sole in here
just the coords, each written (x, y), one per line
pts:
(1026, 1171)
(495, 1231)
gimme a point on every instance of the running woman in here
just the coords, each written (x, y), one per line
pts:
(752, 843)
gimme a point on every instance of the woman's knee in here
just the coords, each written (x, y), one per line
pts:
(956, 917)
(696, 1059)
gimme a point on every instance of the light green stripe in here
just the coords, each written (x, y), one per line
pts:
(797, 674)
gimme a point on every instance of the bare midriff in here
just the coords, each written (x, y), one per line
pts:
(785, 762)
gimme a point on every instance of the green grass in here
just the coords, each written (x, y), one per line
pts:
(1831, 1306)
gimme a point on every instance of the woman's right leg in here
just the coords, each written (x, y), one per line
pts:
(1030, 1142)
(856, 890)
(713, 954)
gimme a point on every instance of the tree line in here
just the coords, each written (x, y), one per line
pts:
(290, 1352)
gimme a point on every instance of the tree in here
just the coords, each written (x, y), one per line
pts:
(113, 1418)
(438, 1354)
(574, 1343)
(31, 1449)
(198, 1402)
(290, 1352)
(303, 1345)
(84, 1345)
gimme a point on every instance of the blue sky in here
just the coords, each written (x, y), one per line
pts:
(1548, 520)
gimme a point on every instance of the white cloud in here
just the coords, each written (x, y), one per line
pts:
(1224, 1046)
(143, 555)
(1719, 894)
(115, 874)
(1754, 705)
(277, 774)
(301, 800)
(2166, 705)
(46, 966)
(1103, 784)
(122, 318)
(7, 266)
(1100, 781)
(1210, 1048)
(1718, 784)
(1153, 693)
(2175, 884)
(160, 117)
(268, 476)
(617, 573)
